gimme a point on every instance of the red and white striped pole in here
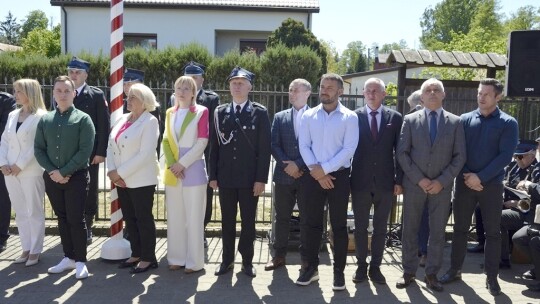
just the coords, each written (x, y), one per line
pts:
(116, 247)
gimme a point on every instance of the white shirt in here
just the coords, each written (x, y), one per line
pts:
(297, 114)
(234, 104)
(379, 116)
(328, 139)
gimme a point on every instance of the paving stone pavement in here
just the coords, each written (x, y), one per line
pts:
(108, 284)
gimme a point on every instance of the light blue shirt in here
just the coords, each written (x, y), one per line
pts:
(328, 139)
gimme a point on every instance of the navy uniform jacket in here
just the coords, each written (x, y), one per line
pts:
(7, 104)
(240, 163)
(92, 101)
(285, 146)
(374, 167)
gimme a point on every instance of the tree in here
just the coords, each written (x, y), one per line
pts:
(293, 33)
(43, 42)
(526, 18)
(353, 59)
(9, 30)
(448, 16)
(332, 57)
(34, 20)
(388, 47)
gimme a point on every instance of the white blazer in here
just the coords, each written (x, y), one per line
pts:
(134, 156)
(17, 147)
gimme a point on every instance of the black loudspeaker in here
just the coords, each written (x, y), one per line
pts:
(523, 67)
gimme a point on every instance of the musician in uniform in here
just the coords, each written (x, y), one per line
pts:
(239, 164)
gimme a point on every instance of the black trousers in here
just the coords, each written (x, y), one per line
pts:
(5, 210)
(490, 202)
(209, 198)
(285, 197)
(67, 201)
(338, 199)
(229, 199)
(137, 204)
(91, 204)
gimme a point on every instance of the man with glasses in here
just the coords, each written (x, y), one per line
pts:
(523, 168)
(91, 100)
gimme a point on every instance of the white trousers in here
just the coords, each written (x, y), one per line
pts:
(26, 195)
(186, 207)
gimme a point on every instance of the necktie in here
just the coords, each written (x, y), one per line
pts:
(374, 129)
(433, 126)
(238, 108)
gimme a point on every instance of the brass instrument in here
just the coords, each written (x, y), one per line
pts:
(524, 205)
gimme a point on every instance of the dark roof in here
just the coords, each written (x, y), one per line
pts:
(301, 5)
(453, 59)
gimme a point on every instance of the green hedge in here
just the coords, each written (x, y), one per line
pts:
(278, 66)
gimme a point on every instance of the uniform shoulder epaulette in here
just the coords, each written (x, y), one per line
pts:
(96, 89)
(223, 105)
(258, 105)
(6, 94)
(208, 92)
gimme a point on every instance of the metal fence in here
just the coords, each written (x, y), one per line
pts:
(526, 110)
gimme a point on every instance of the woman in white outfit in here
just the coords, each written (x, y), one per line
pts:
(185, 179)
(22, 172)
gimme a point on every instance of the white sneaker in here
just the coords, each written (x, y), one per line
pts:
(81, 271)
(65, 264)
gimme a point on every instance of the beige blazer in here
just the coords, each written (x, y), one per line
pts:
(17, 147)
(133, 155)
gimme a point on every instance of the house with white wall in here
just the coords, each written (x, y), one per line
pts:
(220, 25)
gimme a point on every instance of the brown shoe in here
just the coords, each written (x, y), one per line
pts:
(275, 263)
(405, 281)
(175, 267)
(432, 282)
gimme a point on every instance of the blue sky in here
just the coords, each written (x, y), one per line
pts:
(340, 22)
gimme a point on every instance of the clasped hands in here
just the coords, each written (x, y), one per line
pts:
(473, 181)
(325, 180)
(11, 170)
(430, 186)
(292, 169)
(58, 178)
(178, 170)
(116, 179)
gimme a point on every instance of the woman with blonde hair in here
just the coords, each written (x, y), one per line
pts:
(185, 178)
(133, 167)
(23, 174)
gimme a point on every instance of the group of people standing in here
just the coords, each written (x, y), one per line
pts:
(323, 155)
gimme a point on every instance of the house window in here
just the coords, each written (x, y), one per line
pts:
(146, 41)
(257, 45)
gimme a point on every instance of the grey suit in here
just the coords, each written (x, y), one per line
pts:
(373, 176)
(441, 161)
(288, 191)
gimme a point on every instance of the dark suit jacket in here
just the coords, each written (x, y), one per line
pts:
(91, 100)
(241, 162)
(374, 167)
(441, 161)
(7, 104)
(285, 146)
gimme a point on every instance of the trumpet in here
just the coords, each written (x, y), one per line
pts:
(524, 205)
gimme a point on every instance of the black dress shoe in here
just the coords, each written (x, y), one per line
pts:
(223, 268)
(360, 275)
(432, 282)
(249, 270)
(405, 280)
(375, 275)
(529, 275)
(450, 276)
(152, 265)
(479, 248)
(3, 246)
(492, 285)
(126, 264)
